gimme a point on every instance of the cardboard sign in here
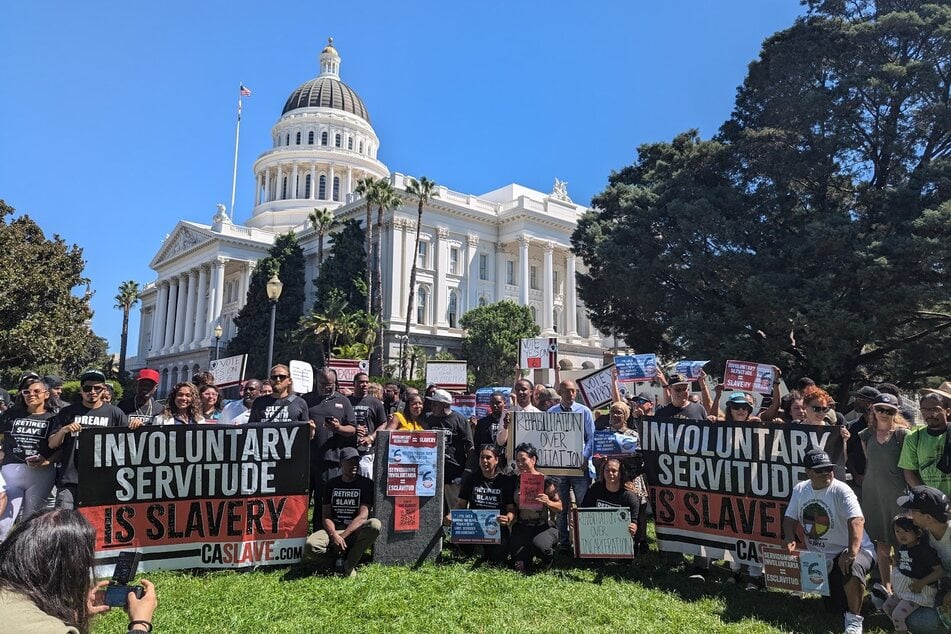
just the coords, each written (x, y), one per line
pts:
(302, 375)
(346, 369)
(484, 397)
(690, 369)
(475, 526)
(464, 404)
(448, 375)
(636, 367)
(597, 389)
(609, 443)
(202, 496)
(719, 489)
(229, 371)
(798, 571)
(538, 354)
(603, 533)
(411, 464)
(746, 376)
(530, 486)
(558, 437)
(406, 514)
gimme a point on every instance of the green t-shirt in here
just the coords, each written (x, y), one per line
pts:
(921, 453)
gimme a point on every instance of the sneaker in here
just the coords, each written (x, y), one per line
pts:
(698, 575)
(878, 595)
(853, 623)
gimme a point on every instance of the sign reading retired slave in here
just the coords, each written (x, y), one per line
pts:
(721, 489)
(603, 533)
(558, 437)
(206, 496)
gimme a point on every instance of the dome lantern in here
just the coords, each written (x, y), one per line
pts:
(329, 60)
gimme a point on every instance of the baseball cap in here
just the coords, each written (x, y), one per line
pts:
(440, 396)
(888, 400)
(53, 381)
(349, 453)
(92, 375)
(866, 392)
(739, 398)
(817, 459)
(676, 378)
(148, 374)
(928, 500)
(644, 397)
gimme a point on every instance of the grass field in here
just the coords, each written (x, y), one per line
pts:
(459, 595)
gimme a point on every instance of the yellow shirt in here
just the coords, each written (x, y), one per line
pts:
(407, 424)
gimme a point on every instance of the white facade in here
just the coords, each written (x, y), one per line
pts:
(510, 243)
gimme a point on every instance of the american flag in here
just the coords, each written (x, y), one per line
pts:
(244, 90)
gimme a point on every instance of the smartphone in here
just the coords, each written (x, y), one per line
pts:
(118, 596)
(126, 567)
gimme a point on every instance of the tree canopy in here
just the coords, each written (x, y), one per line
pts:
(814, 231)
(44, 327)
(345, 267)
(491, 344)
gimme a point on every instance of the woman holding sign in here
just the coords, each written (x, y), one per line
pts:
(536, 532)
(609, 491)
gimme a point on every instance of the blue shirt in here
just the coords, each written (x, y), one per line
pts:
(578, 408)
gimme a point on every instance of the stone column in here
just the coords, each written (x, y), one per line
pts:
(472, 274)
(313, 181)
(267, 185)
(170, 318)
(293, 188)
(190, 317)
(500, 260)
(548, 288)
(523, 242)
(330, 183)
(158, 321)
(180, 305)
(278, 193)
(217, 291)
(571, 301)
(440, 288)
(201, 311)
(349, 181)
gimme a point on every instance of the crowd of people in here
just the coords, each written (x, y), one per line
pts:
(886, 492)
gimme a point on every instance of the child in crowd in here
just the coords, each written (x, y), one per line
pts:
(915, 573)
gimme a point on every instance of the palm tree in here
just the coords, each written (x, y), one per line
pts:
(423, 189)
(127, 298)
(328, 326)
(368, 187)
(386, 199)
(322, 220)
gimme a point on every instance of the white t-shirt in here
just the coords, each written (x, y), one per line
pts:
(943, 546)
(527, 408)
(824, 516)
(235, 413)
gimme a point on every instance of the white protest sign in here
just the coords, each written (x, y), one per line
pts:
(596, 389)
(302, 376)
(448, 375)
(538, 354)
(603, 533)
(228, 371)
(558, 437)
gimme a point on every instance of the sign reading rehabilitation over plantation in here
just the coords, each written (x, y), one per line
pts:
(603, 533)
(558, 437)
(411, 464)
(538, 354)
(721, 490)
(747, 376)
(206, 496)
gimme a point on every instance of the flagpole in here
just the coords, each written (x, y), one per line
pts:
(234, 173)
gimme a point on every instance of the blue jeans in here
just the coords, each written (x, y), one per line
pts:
(580, 486)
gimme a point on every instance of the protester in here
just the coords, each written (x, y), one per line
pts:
(458, 436)
(568, 391)
(28, 476)
(488, 489)
(829, 516)
(855, 457)
(62, 445)
(266, 388)
(523, 390)
(239, 412)
(182, 407)
(882, 443)
(332, 417)
(210, 400)
(816, 406)
(793, 408)
(411, 418)
(928, 508)
(917, 572)
(45, 581)
(491, 429)
(56, 401)
(348, 530)
(739, 409)
(539, 391)
(283, 405)
(391, 399)
(535, 533)
(203, 378)
(370, 417)
(375, 390)
(547, 399)
(142, 401)
(923, 456)
(609, 491)
(907, 412)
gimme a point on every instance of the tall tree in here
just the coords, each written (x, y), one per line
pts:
(493, 334)
(44, 326)
(286, 259)
(126, 299)
(386, 199)
(345, 268)
(422, 190)
(368, 187)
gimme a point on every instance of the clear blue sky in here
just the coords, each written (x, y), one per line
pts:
(117, 118)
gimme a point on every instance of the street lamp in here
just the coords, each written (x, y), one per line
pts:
(274, 288)
(218, 332)
(402, 339)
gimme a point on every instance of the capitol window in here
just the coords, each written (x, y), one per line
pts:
(555, 282)
(336, 188)
(298, 138)
(361, 147)
(322, 187)
(337, 140)
(481, 302)
(533, 275)
(421, 305)
(510, 272)
(350, 143)
(323, 138)
(287, 139)
(454, 261)
(483, 266)
(453, 309)
(310, 138)
(421, 255)
(307, 185)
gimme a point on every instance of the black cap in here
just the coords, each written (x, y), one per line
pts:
(349, 453)
(27, 378)
(92, 375)
(928, 500)
(817, 459)
(644, 397)
(887, 399)
(867, 392)
(53, 381)
(675, 378)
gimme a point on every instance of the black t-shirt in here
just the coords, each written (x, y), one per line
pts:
(24, 434)
(917, 561)
(494, 494)
(458, 442)
(278, 410)
(368, 411)
(691, 411)
(106, 415)
(598, 496)
(486, 431)
(346, 498)
(147, 409)
(856, 455)
(326, 445)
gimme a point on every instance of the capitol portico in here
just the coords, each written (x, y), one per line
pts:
(510, 243)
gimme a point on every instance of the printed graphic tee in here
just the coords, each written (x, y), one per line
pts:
(824, 516)
(345, 499)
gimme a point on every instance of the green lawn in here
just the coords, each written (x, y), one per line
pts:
(458, 595)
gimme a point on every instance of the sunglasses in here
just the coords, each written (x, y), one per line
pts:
(93, 388)
(739, 406)
(279, 377)
(32, 392)
(819, 408)
(885, 410)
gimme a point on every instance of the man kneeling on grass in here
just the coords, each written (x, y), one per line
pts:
(348, 528)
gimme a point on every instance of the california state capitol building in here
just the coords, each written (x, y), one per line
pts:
(509, 243)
